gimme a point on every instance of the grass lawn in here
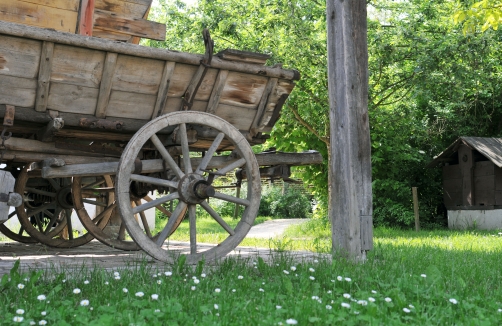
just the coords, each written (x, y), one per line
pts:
(424, 278)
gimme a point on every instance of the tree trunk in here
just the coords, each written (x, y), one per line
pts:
(350, 207)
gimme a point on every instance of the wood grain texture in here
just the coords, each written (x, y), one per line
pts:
(264, 104)
(17, 91)
(60, 15)
(142, 51)
(72, 98)
(350, 148)
(135, 26)
(77, 66)
(243, 90)
(165, 82)
(135, 8)
(131, 105)
(44, 76)
(105, 87)
(465, 155)
(138, 75)
(19, 57)
(219, 85)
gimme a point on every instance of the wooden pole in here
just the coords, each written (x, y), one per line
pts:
(415, 208)
(238, 195)
(350, 162)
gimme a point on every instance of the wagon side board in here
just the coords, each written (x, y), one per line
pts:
(46, 73)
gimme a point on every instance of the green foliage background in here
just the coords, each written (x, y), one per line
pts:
(429, 84)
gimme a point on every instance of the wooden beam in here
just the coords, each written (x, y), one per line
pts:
(142, 51)
(44, 76)
(110, 21)
(85, 18)
(151, 166)
(46, 134)
(350, 208)
(271, 85)
(160, 103)
(192, 88)
(218, 87)
(466, 161)
(105, 87)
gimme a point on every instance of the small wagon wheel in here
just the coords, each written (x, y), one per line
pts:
(117, 238)
(192, 186)
(46, 210)
(17, 235)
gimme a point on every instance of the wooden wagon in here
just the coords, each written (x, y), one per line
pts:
(89, 120)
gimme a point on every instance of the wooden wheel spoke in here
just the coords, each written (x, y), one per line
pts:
(52, 220)
(159, 207)
(209, 153)
(167, 157)
(40, 209)
(68, 223)
(185, 150)
(21, 230)
(40, 192)
(155, 202)
(154, 181)
(94, 202)
(54, 183)
(217, 217)
(98, 191)
(143, 220)
(232, 199)
(177, 214)
(193, 228)
(100, 216)
(121, 235)
(11, 214)
(94, 184)
(231, 166)
(39, 222)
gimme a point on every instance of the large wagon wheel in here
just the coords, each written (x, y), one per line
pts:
(192, 186)
(46, 211)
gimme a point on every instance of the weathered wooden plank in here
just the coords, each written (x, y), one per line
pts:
(219, 84)
(241, 118)
(85, 18)
(77, 66)
(192, 88)
(243, 56)
(111, 35)
(243, 90)
(134, 8)
(19, 57)
(105, 87)
(264, 104)
(17, 91)
(110, 21)
(484, 190)
(28, 157)
(44, 76)
(498, 197)
(92, 134)
(142, 51)
(165, 81)
(72, 98)
(139, 75)
(131, 105)
(151, 166)
(498, 178)
(452, 184)
(32, 117)
(30, 145)
(38, 13)
(275, 103)
(71, 5)
(452, 199)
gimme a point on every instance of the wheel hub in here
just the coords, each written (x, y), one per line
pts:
(194, 188)
(64, 197)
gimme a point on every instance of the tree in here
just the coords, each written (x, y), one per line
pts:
(485, 13)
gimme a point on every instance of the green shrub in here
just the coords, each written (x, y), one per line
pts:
(292, 204)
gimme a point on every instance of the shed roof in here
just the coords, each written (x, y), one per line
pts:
(491, 148)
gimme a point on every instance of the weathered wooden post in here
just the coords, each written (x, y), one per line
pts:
(414, 191)
(350, 162)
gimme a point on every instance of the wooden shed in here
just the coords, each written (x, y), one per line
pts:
(472, 182)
